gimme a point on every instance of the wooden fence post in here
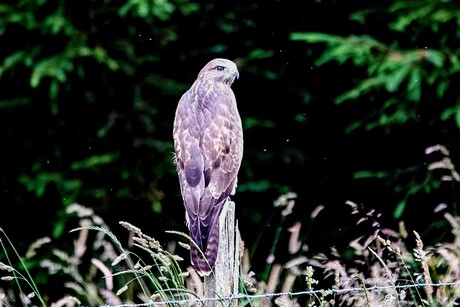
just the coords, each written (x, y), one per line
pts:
(224, 279)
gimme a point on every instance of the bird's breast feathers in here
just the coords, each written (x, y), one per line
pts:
(207, 118)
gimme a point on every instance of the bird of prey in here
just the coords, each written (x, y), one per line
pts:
(208, 144)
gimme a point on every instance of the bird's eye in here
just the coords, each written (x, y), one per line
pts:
(220, 68)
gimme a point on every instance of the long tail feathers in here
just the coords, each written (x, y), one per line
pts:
(204, 265)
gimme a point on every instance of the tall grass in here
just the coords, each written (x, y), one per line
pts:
(145, 272)
(99, 269)
(384, 258)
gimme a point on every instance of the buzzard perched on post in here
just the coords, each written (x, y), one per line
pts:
(208, 143)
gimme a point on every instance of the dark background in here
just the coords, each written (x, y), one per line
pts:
(89, 90)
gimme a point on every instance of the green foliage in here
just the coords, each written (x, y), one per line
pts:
(409, 75)
(88, 99)
(62, 65)
(393, 68)
(161, 9)
(65, 60)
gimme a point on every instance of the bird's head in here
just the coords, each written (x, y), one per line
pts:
(220, 70)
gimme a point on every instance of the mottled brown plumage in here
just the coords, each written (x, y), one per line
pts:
(208, 143)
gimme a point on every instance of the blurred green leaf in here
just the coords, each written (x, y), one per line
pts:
(434, 57)
(254, 186)
(250, 122)
(414, 87)
(58, 228)
(54, 67)
(365, 87)
(161, 9)
(457, 117)
(93, 161)
(399, 210)
(369, 174)
(395, 78)
(260, 54)
(301, 118)
(442, 87)
(12, 60)
(14, 103)
(157, 207)
(314, 37)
